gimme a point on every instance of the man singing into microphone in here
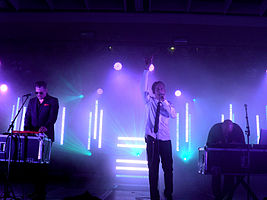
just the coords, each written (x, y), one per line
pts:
(157, 136)
(41, 115)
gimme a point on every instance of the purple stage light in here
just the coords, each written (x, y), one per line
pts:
(62, 126)
(186, 122)
(96, 115)
(117, 66)
(90, 131)
(99, 91)
(151, 67)
(3, 88)
(178, 93)
(100, 129)
(177, 132)
(258, 128)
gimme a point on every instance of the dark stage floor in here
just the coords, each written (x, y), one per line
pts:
(106, 190)
(115, 192)
(82, 176)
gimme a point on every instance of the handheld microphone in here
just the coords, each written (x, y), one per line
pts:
(27, 95)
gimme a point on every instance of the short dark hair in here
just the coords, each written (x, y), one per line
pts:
(40, 84)
(227, 121)
(155, 84)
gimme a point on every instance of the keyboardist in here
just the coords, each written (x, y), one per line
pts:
(41, 115)
(42, 111)
(219, 134)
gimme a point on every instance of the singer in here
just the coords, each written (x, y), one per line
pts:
(42, 111)
(41, 115)
(220, 134)
(157, 136)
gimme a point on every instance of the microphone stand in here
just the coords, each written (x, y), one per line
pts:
(10, 134)
(248, 134)
(246, 185)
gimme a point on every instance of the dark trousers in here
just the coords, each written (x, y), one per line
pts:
(39, 175)
(228, 184)
(156, 150)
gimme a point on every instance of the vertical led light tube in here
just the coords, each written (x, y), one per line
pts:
(132, 138)
(12, 114)
(233, 119)
(96, 114)
(231, 112)
(177, 131)
(100, 129)
(62, 125)
(17, 109)
(258, 128)
(186, 122)
(189, 134)
(222, 118)
(89, 131)
(23, 117)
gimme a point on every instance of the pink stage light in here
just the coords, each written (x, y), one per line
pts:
(117, 66)
(151, 67)
(3, 88)
(99, 91)
(178, 93)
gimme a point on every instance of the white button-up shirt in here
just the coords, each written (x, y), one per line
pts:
(166, 111)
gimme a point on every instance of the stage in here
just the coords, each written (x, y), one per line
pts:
(83, 177)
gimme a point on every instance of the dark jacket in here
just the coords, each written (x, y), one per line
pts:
(45, 116)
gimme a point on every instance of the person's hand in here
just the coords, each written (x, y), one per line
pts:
(148, 62)
(42, 129)
(162, 98)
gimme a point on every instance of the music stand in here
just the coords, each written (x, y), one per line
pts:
(7, 186)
